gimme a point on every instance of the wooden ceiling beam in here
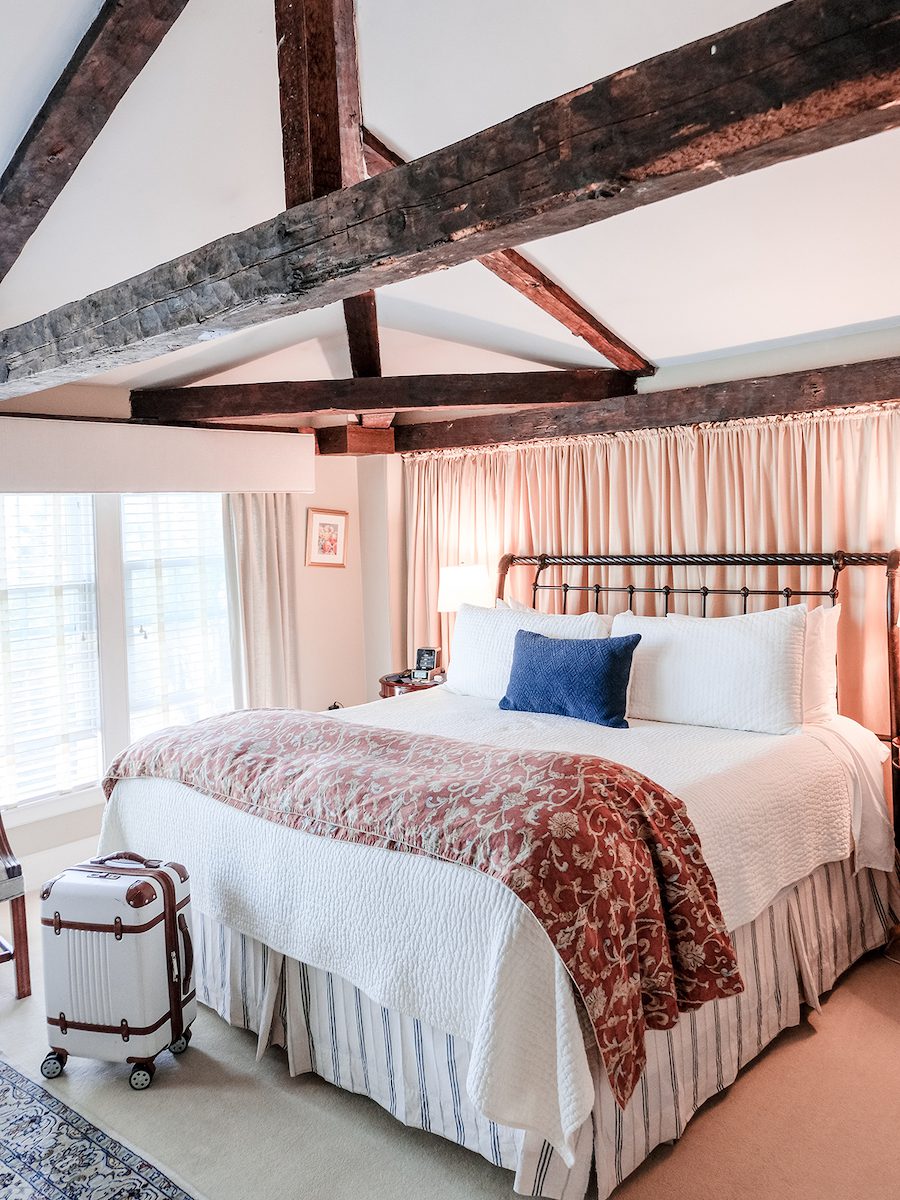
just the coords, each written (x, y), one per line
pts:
(382, 419)
(361, 319)
(795, 80)
(321, 131)
(355, 440)
(531, 282)
(774, 395)
(110, 56)
(240, 401)
(379, 157)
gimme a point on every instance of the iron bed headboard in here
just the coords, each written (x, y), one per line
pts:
(837, 562)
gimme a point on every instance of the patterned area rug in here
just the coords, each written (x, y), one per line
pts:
(49, 1152)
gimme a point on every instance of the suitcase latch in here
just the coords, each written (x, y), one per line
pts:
(174, 958)
(123, 1025)
(57, 923)
(117, 926)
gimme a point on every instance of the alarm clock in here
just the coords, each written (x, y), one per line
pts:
(426, 662)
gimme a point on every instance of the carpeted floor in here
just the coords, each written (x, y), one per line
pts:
(817, 1117)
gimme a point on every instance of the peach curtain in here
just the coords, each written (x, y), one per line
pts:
(815, 482)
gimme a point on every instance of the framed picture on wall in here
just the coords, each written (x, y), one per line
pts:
(326, 537)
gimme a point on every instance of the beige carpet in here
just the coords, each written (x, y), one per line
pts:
(816, 1117)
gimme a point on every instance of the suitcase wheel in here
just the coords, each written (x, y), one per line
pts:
(181, 1044)
(141, 1076)
(53, 1064)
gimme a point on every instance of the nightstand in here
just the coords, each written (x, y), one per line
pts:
(391, 685)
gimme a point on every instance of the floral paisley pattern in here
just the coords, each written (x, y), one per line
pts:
(607, 860)
(47, 1150)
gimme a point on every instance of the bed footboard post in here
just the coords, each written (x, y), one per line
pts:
(505, 563)
(893, 647)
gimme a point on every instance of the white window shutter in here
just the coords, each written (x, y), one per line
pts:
(176, 609)
(49, 663)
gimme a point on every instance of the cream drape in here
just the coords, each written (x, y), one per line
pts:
(815, 482)
(268, 542)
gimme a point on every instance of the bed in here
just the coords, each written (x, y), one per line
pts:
(433, 990)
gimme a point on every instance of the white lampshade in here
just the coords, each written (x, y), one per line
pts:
(467, 583)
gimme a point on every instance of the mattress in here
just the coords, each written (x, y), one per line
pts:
(453, 948)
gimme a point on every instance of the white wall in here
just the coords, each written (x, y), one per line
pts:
(38, 454)
(36, 839)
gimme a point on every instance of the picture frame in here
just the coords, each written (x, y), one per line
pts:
(326, 537)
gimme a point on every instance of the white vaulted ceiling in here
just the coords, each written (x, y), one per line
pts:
(802, 250)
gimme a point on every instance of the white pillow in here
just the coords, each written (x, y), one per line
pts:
(820, 665)
(819, 662)
(516, 605)
(741, 672)
(481, 652)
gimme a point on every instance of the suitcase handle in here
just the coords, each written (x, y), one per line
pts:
(188, 964)
(126, 854)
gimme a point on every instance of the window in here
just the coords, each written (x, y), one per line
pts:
(50, 739)
(114, 622)
(176, 610)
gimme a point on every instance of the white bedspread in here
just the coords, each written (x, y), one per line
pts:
(768, 809)
(454, 947)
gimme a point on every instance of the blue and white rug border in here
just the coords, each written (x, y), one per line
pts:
(165, 1181)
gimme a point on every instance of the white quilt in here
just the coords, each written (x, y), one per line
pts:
(452, 946)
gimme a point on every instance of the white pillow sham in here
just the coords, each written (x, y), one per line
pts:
(481, 652)
(518, 606)
(742, 672)
(819, 662)
(820, 665)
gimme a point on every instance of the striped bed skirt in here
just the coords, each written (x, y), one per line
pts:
(790, 955)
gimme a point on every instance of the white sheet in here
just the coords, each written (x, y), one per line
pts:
(455, 948)
(862, 757)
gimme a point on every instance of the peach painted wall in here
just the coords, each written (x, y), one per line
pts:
(380, 481)
(333, 663)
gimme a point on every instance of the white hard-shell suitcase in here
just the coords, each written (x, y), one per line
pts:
(118, 963)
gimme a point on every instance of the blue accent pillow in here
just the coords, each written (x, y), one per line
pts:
(587, 679)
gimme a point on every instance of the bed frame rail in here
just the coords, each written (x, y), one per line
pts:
(836, 562)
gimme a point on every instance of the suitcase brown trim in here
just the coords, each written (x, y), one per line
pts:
(117, 929)
(64, 1024)
(171, 928)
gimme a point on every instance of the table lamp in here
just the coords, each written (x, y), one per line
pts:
(466, 583)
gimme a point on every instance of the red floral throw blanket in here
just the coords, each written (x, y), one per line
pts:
(607, 861)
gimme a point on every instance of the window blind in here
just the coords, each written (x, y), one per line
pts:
(49, 662)
(176, 609)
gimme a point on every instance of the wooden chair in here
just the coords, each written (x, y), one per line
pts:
(12, 888)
